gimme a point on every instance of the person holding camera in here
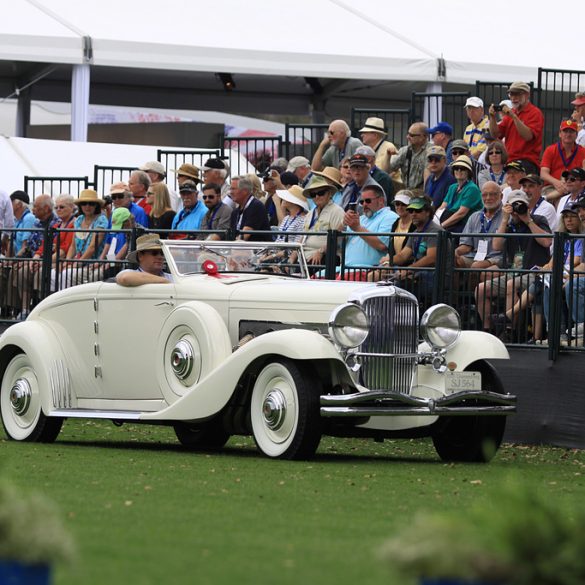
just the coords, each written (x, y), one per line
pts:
(521, 253)
(522, 126)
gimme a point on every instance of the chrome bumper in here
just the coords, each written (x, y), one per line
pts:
(391, 403)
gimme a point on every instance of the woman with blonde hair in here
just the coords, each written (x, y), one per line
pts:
(162, 213)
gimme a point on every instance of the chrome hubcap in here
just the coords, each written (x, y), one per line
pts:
(274, 409)
(182, 359)
(20, 396)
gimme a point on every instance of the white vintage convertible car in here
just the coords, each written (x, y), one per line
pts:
(244, 342)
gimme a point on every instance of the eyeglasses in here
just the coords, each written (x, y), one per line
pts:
(314, 194)
(345, 166)
(61, 206)
(367, 200)
(154, 252)
(571, 179)
(117, 196)
(458, 151)
(206, 197)
(434, 159)
(330, 131)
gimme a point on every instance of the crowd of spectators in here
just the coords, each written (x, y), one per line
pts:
(390, 203)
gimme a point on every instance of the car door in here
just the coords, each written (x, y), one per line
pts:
(129, 324)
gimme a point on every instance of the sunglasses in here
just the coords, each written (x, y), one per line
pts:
(571, 179)
(117, 196)
(318, 193)
(83, 203)
(495, 152)
(458, 151)
(154, 252)
(206, 197)
(434, 159)
(367, 200)
(345, 166)
(415, 210)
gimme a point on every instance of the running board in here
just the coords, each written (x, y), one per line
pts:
(86, 413)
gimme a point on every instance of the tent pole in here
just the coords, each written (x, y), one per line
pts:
(80, 102)
(433, 106)
(22, 113)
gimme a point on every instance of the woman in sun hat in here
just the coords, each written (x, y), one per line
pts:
(463, 197)
(86, 244)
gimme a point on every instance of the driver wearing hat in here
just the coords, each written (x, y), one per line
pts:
(150, 259)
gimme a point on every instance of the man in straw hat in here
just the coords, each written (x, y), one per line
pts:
(373, 134)
(150, 259)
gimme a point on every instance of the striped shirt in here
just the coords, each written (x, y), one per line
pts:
(475, 136)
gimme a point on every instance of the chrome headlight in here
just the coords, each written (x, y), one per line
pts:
(440, 326)
(348, 325)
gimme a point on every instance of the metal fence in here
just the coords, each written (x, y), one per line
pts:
(173, 159)
(444, 106)
(552, 313)
(395, 120)
(54, 186)
(105, 176)
(259, 151)
(303, 139)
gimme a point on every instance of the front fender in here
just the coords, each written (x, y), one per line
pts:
(214, 390)
(42, 347)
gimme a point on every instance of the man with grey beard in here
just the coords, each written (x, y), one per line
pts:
(477, 251)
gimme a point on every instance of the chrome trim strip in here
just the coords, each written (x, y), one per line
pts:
(341, 411)
(108, 414)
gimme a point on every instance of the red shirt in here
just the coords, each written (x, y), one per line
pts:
(517, 147)
(552, 159)
(142, 203)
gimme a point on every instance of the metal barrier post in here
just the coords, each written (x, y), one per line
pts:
(556, 296)
(331, 254)
(45, 282)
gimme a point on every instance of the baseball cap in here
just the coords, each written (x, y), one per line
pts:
(119, 216)
(459, 143)
(474, 102)
(569, 125)
(358, 160)
(297, 162)
(519, 86)
(532, 178)
(436, 151)
(578, 173)
(515, 165)
(518, 195)
(442, 127)
(419, 203)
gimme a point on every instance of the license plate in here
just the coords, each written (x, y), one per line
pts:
(462, 381)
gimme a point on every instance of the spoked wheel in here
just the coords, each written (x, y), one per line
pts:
(284, 411)
(205, 437)
(20, 404)
(474, 439)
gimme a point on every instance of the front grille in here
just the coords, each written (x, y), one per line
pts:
(393, 330)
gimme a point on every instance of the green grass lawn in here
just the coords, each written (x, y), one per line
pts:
(143, 510)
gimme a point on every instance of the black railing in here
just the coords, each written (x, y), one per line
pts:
(303, 139)
(105, 176)
(173, 159)
(445, 106)
(54, 186)
(259, 151)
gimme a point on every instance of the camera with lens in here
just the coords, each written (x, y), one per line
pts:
(498, 107)
(519, 207)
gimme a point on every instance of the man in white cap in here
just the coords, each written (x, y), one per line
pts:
(301, 167)
(150, 259)
(521, 127)
(373, 134)
(475, 132)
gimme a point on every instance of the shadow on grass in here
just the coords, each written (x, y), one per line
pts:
(245, 451)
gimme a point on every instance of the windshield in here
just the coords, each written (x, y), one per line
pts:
(193, 257)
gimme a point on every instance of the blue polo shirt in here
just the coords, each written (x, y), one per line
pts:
(358, 252)
(26, 221)
(190, 219)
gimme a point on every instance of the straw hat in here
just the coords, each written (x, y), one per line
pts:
(462, 161)
(317, 183)
(145, 242)
(188, 170)
(89, 195)
(294, 195)
(374, 125)
(331, 174)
